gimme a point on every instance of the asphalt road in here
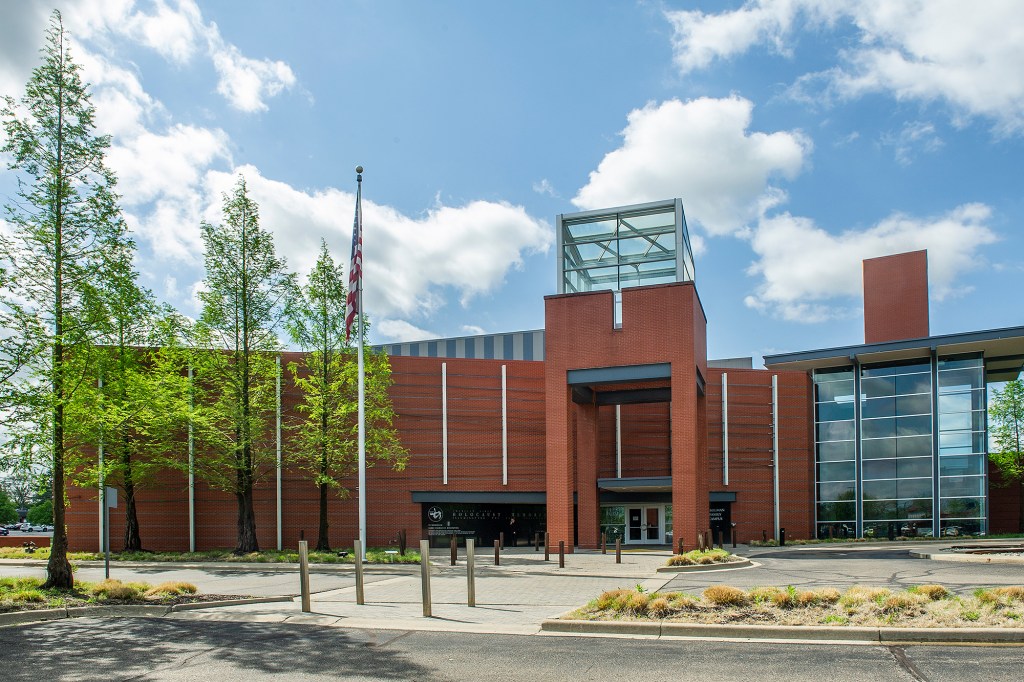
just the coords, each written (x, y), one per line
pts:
(151, 649)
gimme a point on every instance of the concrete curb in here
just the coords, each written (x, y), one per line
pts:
(124, 610)
(969, 558)
(745, 563)
(837, 633)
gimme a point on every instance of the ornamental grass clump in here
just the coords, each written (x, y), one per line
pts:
(174, 588)
(902, 601)
(115, 589)
(933, 592)
(659, 607)
(700, 557)
(725, 595)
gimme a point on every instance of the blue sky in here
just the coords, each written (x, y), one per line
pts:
(802, 136)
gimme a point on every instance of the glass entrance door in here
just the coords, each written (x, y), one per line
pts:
(644, 525)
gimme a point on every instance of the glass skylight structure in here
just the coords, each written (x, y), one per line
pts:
(629, 246)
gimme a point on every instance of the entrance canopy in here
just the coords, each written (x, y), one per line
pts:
(621, 385)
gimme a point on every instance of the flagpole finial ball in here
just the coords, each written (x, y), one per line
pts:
(359, 169)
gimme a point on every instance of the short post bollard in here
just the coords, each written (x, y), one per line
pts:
(604, 543)
(357, 549)
(425, 575)
(455, 551)
(680, 550)
(618, 550)
(304, 576)
(497, 553)
(470, 569)
(764, 536)
(536, 541)
(501, 539)
(547, 547)
(561, 553)
(782, 537)
(734, 538)
(721, 542)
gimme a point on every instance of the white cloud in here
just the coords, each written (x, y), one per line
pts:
(967, 54)
(914, 137)
(246, 83)
(400, 331)
(804, 270)
(544, 187)
(472, 330)
(702, 151)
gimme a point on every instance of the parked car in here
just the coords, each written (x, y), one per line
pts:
(26, 527)
(4, 531)
(40, 528)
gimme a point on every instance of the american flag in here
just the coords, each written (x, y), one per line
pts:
(355, 273)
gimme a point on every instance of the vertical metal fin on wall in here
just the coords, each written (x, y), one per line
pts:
(775, 450)
(444, 423)
(504, 426)
(279, 470)
(618, 441)
(725, 428)
(191, 469)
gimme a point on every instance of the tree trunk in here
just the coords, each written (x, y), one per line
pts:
(132, 538)
(246, 524)
(323, 542)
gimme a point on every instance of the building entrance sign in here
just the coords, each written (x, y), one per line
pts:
(484, 522)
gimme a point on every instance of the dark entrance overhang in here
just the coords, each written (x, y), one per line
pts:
(621, 385)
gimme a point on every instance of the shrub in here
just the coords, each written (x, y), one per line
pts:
(659, 607)
(970, 615)
(637, 603)
(612, 599)
(1010, 592)
(171, 589)
(901, 601)
(933, 592)
(761, 595)
(784, 599)
(725, 595)
(684, 602)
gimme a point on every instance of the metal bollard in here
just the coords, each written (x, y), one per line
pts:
(304, 575)
(561, 553)
(618, 550)
(547, 547)
(497, 553)
(782, 537)
(501, 539)
(425, 575)
(455, 551)
(357, 549)
(604, 543)
(536, 541)
(721, 542)
(680, 551)
(764, 536)
(734, 538)
(470, 571)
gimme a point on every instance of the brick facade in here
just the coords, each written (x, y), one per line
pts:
(896, 297)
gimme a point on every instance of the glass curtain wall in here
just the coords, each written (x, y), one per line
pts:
(624, 249)
(962, 446)
(835, 452)
(896, 449)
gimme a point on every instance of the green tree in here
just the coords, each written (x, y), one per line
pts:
(66, 231)
(323, 443)
(1006, 424)
(41, 513)
(247, 290)
(8, 512)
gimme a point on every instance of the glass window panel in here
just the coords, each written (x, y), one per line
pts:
(590, 230)
(915, 509)
(914, 446)
(914, 487)
(835, 431)
(961, 465)
(914, 426)
(651, 222)
(878, 468)
(837, 471)
(956, 402)
(960, 362)
(832, 390)
(914, 404)
(833, 374)
(831, 492)
(834, 411)
(922, 367)
(897, 528)
(962, 507)
(878, 428)
(913, 383)
(914, 467)
(961, 486)
(962, 421)
(878, 407)
(836, 511)
(611, 515)
(880, 510)
(879, 490)
(836, 529)
(952, 381)
(836, 451)
(961, 442)
(878, 387)
(878, 448)
(962, 527)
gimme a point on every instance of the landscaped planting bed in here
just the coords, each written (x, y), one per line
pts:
(26, 594)
(699, 557)
(373, 556)
(921, 606)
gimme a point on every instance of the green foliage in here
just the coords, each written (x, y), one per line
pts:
(41, 513)
(234, 397)
(323, 441)
(1006, 426)
(8, 512)
(66, 233)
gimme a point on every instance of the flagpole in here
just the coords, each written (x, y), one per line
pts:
(361, 371)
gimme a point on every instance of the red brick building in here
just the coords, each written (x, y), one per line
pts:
(612, 420)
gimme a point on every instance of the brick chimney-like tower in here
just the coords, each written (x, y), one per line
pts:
(896, 297)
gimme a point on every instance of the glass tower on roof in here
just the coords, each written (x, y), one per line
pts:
(628, 246)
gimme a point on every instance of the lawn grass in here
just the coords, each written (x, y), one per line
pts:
(927, 606)
(373, 556)
(26, 593)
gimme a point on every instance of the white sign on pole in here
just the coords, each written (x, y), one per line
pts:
(111, 497)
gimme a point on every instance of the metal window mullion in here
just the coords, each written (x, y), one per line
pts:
(936, 500)
(280, 507)
(858, 516)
